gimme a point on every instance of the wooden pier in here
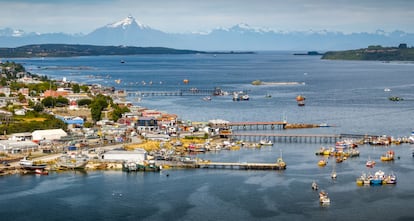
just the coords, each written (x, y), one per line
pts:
(180, 92)
(257, 125)
(280, 165)
(297, 138)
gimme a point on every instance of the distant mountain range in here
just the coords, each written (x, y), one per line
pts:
(129, 32)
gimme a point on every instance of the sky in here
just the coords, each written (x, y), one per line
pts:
(186, 16)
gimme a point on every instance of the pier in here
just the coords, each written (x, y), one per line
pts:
(257, 125)
(181, 92)
(298, 138)
(280, 165)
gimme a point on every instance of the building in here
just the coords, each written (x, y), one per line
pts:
(13, 146)
(138, 155)
(52, 134)
(147, 124)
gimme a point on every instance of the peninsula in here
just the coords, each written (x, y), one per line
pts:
(71, 50)
(374, 53)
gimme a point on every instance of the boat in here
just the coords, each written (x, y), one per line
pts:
(370, 163)
(333, 174)
(322, 163)
(411, 139)
(41, 171)
(387, 89)
(240, 96)
(30, 164)
(390, 179)
(323, 198)
(377, 178)
(389, 156)
(300, 100)
(268, 95)
(266, 142)
(72, 162)
(314, 185)
(208, 98)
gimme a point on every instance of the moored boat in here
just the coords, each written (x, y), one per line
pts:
(72, 162)
(370, 163)
(314, 185)
(323, 198)
(389, 156)
(322, 163)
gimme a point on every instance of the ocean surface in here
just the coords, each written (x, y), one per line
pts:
(347, 94)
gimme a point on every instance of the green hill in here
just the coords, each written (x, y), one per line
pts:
(67, 50)
(373, 53)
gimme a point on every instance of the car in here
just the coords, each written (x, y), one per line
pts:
(5, 163)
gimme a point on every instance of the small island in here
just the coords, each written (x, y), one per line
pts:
(374, 53)
(309, 53)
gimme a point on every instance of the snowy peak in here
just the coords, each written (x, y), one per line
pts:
(127, 22)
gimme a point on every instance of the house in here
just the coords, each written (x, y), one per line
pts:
(21, 136)
(147, 124)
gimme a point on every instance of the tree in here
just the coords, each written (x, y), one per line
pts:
(83, 102)
(75, 88)
(97, 105)
(49, 102)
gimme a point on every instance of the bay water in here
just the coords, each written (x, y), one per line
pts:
(347, 94)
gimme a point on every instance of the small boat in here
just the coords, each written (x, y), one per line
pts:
(370, 163)
(389, 156)
(266, 142)
(208, 98)
(322, 163)
(377, 178)
(41, 172)
(387, 89)
(333, 175)
(240, 96)
(323, 198)
(300, 100)
(390, 179)
(314, 185)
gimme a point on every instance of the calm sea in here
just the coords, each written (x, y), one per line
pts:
(347, 94)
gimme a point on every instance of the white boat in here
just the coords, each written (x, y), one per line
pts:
(26, 162)
(323, 198)
(266, 142)
(387, 89)
(314, 185)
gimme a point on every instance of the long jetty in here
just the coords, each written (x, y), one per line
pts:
(297, 138)
(180, 92)
(242, 166)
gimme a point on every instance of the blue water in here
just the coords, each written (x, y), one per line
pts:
(348, 94)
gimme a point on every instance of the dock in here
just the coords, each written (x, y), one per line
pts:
(279, 165)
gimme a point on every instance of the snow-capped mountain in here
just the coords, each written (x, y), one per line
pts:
(129, 31)
(128, 22)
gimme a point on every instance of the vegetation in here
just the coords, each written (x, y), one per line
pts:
(374, 53)
(31, 122)
(67, 50)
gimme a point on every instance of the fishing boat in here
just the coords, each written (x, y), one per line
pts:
(390, 179)
(322, 163)
(389, 156)
(266, 142)
(323, 198)
(300, 100)
(377, 178)
(314, 185)
(370, 163)
(30, 164)
(78, 161)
